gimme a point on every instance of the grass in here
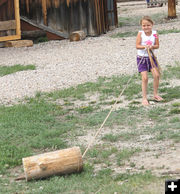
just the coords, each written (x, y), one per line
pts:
(5, 70)
(124, 34)
(168, 31)
(125, 154)
(40, 40)
(134, 33)
(41, 124)
(87, 182)
(134, 21)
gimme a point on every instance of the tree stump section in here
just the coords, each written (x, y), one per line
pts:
(77, 36)
(53, 163)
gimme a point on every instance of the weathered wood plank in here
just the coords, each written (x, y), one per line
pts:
(8, 25)
(19, 43)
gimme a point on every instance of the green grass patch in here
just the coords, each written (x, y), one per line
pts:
(170, 93)
(40, 40)
(85, 109)
(5, 70)
(168, 31)
(172, 72)
(175, 111)
(101, 152)
(134, 21)
(157, 113)
(124, 34)
(121, 136)
(125, 154)
(110, 137)
(28, 127)
(175, 120)
(85, 182)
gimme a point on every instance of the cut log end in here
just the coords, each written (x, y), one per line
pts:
(77, 36)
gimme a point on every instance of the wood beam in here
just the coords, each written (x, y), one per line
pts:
(12, 37)
(17, 18)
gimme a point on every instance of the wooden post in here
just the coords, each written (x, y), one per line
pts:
(172, 9)
(17, 18)
(44, 9)
(53, 163)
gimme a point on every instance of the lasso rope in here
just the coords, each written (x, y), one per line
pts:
(151, 56)
(113, 107)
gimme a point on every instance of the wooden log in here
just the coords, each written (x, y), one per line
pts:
(33, 34)
(19, 43)
(77, 35)
(53, 163)
(172, 9)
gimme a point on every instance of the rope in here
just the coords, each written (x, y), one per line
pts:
(98, 131)
(158, 68)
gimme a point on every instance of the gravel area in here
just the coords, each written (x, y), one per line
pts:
(60, 64)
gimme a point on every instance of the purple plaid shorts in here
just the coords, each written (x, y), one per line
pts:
(144, 64)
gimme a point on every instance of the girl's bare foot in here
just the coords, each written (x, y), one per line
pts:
(145, 102)
(158, 98)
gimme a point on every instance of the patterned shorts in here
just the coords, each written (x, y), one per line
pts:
(144, 64)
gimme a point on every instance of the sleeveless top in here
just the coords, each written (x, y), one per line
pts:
(146, 40)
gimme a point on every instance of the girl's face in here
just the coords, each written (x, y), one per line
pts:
(147, 27)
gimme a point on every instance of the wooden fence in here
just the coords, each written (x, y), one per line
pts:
(9, 20)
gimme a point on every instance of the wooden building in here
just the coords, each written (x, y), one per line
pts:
(62, 17)
(9, 20)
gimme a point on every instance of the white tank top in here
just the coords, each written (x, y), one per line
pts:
(145, 40)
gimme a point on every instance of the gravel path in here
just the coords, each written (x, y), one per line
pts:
(60, 64)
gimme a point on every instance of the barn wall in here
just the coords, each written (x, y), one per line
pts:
(67, 16)
(7, 13)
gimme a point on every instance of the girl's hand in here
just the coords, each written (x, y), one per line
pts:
(148, 47)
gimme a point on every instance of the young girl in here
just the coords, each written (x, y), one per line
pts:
(147, 39)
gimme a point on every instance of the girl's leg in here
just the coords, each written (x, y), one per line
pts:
(144, 76)
(156, 77)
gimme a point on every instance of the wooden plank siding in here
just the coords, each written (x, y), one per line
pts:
(66, 16)
(9, 20)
